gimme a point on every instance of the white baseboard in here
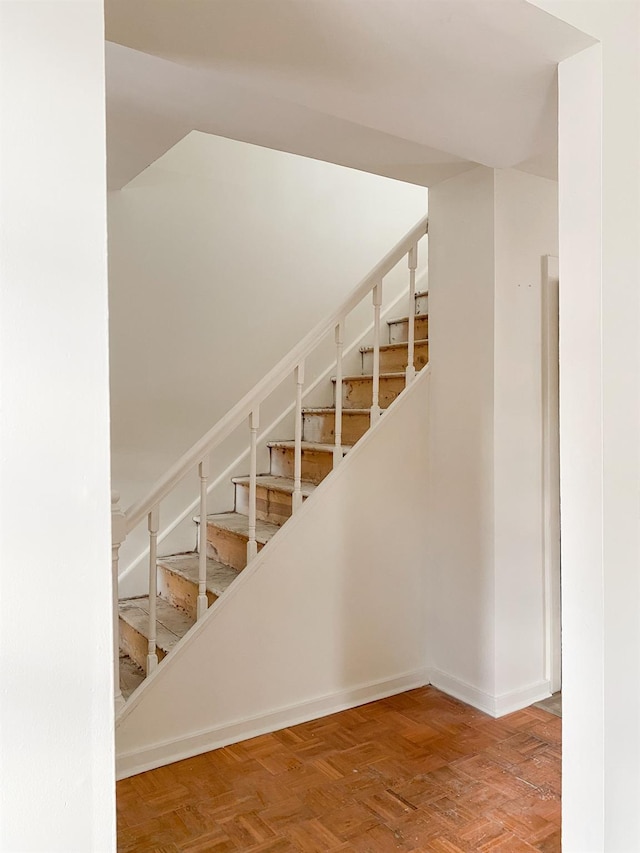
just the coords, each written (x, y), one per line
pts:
(157, 755)
(495, 706)
(515, 700)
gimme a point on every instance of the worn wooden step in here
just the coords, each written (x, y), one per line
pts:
(399, 329)
(228, 534)
(317, 459)
(172, 625)
(357, 391)
(131, 675)
(274, 496)
(394, 357)
(178, 581)
(422, 302)
(318, 425)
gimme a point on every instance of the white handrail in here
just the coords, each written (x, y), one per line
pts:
(241, 411)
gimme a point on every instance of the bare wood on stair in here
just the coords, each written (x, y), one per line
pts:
(178, 576)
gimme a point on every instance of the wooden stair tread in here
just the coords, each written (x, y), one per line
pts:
(361, 377)
(275, 483)
(330, 410)
(311, 445)
(171, 626)
(237, 523)
(219, 576)
(405, 319)
(396, 346)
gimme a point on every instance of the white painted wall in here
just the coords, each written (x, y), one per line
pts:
(581, 455)
(329, 615)
(56, 685)
(600, 424)
(460, 508)
(222, 255)
(488, 231)
(526, 227)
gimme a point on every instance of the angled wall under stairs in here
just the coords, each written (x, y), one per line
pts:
(330, 615)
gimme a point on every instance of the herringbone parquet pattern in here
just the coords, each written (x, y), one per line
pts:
(415, 772)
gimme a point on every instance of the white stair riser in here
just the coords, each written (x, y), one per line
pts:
(319, 426)
(316, 464)
(227, 547)
(422, 303)
(135, 644)
(393, 360)
(399, 330)
(180, 592)
(357, 392)
(271, 504)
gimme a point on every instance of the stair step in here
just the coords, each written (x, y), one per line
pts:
(172, 625)
(394, 357)
(318, 425)
(131, 675)
(228, 534)
(178, 580)
(317, 459)
(399, 329)
(357, 391)
(274, 496)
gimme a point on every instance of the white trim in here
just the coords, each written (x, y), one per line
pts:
(150, 757)
(495, 706)
(516, 700)
(551, 469)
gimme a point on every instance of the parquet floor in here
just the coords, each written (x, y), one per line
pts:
(415, 772)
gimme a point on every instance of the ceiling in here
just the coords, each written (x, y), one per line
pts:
(418, 90)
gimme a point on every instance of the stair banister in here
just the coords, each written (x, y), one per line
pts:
(297, 451)
(413, 263)
(337, 429)
(153, 524)
(375, 399)
(252, 543)
(232, 420)
(118, 534)
(203, 603)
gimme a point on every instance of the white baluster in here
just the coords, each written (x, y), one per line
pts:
(203, 603)
(337, 448)
(296, 502)
(118, 534)
(413, 263)
(252, 544)
(375, 400)
(153, 524)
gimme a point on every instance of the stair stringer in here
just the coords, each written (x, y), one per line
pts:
(331, 614)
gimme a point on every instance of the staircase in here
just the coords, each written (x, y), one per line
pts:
(228, 533)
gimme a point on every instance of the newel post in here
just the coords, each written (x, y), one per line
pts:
(118, 535)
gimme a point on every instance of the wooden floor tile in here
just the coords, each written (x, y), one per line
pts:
(312, 836)
(415, 772)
